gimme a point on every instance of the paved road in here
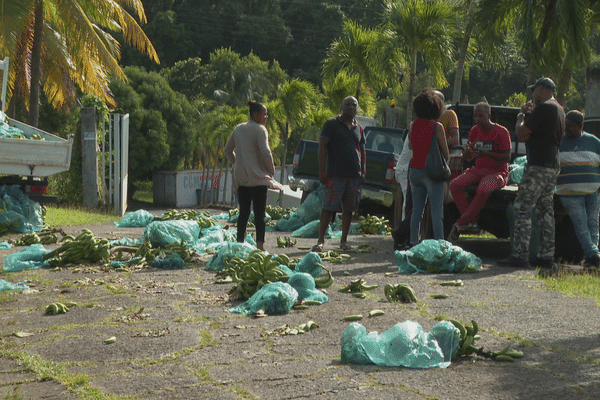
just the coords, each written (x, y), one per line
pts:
(176, 339)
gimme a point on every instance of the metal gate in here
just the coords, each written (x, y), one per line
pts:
(114, 147)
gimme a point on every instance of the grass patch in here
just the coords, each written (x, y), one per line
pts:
(583, 285)
(67, 216)
(146, 197)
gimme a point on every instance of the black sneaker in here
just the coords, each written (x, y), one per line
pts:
(454, 234)
(545, 263)
(515, 262)
(592, 262)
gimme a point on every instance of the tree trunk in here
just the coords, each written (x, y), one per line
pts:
(283, 174)
(358, 85)
(563, 85)
(36, 64)
(411, 87)
(460, 65)
(214, 171)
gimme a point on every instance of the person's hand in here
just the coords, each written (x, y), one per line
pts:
(527, 108)
(323, 177)
(480, 152)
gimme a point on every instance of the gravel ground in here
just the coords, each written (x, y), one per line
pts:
(176, 340)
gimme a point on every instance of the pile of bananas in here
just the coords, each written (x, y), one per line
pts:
(203, 219)
(468, 336)
(275, 212)
(6, 228)
(85, 248)
(372, 225)
(56, 308)
(257, 272)
(233, 211)
(400, 292)
(44, 237)
(148, 253)
(286, 241)
(357, 285)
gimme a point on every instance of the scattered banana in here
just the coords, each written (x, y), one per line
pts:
(324, 281)
(56, 308)
(400, 292)
(286, 241)
(356, 317)
(372, 225)
(357, 285)
(457, 282)
(376, 313)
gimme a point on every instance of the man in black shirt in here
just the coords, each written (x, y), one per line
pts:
(342, 168)
(541, 128)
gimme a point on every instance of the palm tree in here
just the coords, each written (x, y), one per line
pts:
(295, 101)
(357, 52)
(56, 45)
(553, 33)
(426, 29)
(475, 37)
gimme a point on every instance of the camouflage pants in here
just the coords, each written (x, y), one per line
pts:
(536, 191)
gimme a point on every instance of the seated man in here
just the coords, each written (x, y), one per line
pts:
(578, 183)
(490, 145)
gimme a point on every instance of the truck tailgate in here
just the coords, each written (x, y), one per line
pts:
(34, 157)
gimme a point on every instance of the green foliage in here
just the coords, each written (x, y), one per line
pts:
(516, 100)
(163, 123)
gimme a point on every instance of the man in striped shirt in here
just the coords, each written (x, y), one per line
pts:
(578, 184)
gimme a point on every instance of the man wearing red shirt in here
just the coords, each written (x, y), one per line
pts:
(490, 145)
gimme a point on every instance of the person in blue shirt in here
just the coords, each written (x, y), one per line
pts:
(578, 184)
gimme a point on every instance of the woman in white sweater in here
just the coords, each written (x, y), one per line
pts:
(248, 151)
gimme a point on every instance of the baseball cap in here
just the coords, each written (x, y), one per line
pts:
(545, 82)
(574, 117)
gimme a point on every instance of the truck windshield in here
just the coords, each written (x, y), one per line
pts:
(382, 140)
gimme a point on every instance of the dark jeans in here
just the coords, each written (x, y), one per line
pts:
(257, 195)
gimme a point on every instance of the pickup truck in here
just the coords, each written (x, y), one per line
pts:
(28, 161)
(493, 217)
(380, 191)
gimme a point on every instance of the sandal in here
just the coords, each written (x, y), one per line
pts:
(317, 248)
(345, 246)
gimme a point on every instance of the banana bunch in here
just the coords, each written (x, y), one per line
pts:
(286, 241)
(233, 211)
(203, 219)
(27, 239)
(400, 292)
(257, 272)
(372, 225)
(85, 248)
(275, 212)
(56, 308)
(324, 281)
(333, 256)
(357, 285)
(468, 336)
(6, 228)
(149, 253)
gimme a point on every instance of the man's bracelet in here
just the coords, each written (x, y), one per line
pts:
(521, 115)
